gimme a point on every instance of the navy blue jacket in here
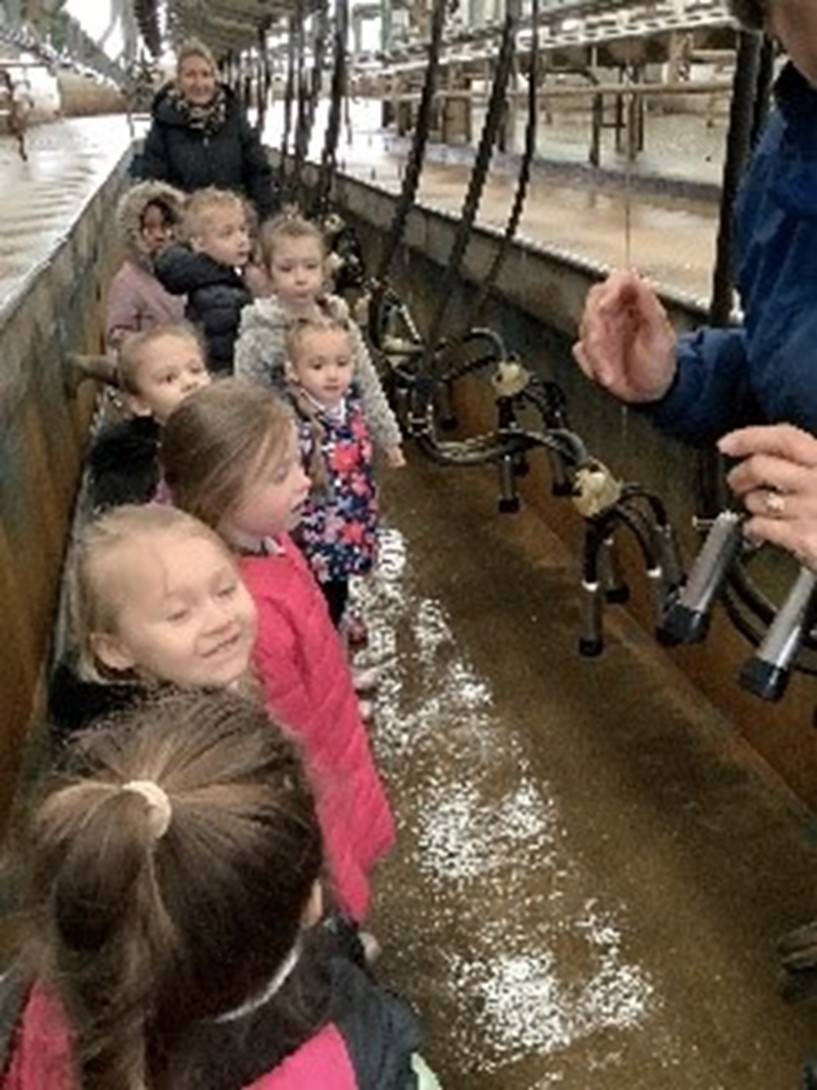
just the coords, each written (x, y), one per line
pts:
(189, 158)
(766, 371)
(216, 295)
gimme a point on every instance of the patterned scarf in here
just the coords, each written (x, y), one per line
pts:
(208, 118)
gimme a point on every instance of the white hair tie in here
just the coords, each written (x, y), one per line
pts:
(159, 808)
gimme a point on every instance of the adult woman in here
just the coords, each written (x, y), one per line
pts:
(699, 386)
(200, 135)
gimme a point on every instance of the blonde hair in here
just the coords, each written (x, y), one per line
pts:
(285, 226)
(194, 47)
(131, 352)
(146, 932)
(95, 574)
(299, 328)
(201, 205)
(215, 439)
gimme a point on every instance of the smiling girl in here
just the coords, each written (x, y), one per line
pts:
(232, 459)
(156, 599)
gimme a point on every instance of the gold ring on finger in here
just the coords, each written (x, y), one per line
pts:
(775, 504)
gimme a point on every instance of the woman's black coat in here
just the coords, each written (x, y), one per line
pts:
(192, 158)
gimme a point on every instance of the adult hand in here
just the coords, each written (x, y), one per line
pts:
(626, 343)
(777, 481)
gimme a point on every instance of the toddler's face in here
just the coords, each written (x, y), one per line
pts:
(296, 272)
(272, 499)
(156, 229)
(185, 617)
(225, 236)
(170, 368)
(323, 365)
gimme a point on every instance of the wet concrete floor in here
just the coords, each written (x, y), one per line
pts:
(592, 869)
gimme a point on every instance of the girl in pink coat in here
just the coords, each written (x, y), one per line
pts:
(231, 458)
(174, 875)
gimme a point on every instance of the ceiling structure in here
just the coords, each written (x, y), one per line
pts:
(227, 26)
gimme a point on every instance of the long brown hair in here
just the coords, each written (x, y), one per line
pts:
(215, 439)
(146, 929)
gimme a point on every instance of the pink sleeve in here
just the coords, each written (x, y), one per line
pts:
(321, 1064)
(277, 658)
(41, 1054)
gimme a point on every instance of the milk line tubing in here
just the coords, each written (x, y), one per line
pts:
(414, 165)
(682, 604)
(523, 178)
(326, 172)
(476, 183)
(606, 505)
(289, 93)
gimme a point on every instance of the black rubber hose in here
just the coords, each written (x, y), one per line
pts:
(490, 129)
(411, 178)
(524, 175)
(289, 91)
(330, 147)
(709, 484)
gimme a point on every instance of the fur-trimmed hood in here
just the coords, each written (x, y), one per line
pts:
(132, 207)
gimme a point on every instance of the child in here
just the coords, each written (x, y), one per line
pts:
(231, 458)
(174, 874)
(156, 369)
(293, 250)
(148, 215)
(338, 528)
(155, 597)
(209, 270)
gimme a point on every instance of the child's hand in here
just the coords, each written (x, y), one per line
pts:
(395, 457)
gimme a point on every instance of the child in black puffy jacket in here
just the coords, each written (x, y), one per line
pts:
(209, 269)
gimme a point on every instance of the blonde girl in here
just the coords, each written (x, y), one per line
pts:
(293, 251)
(231, 458)
(155, 599)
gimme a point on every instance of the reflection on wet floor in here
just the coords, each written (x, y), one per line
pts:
(590, 874)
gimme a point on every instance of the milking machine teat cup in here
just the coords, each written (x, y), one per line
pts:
(767, 672)
(687, 615)
(688, 612)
